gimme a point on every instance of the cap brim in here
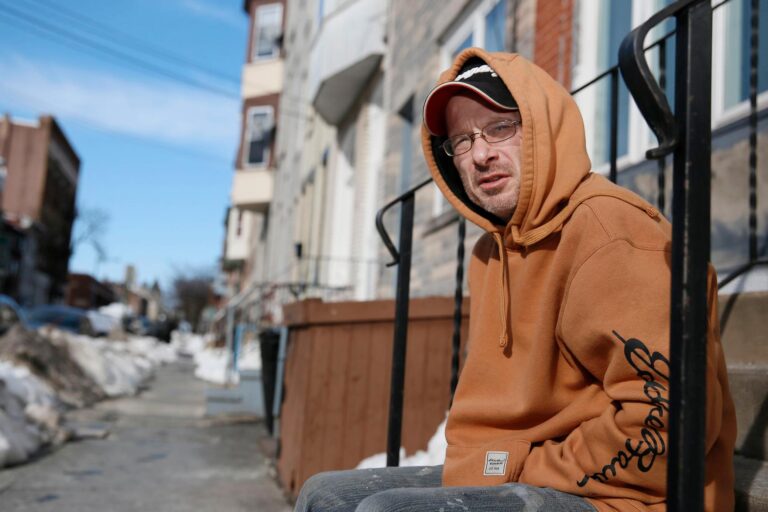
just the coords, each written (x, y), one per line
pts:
(434, 106)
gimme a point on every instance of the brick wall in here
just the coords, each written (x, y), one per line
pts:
(554, 30)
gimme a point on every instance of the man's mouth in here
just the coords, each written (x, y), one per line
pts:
(493, 181)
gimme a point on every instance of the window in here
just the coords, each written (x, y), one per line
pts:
(602, 26)
(484, 27)
(731, 59)
(494, 27)
(268, 26)
(258, 135)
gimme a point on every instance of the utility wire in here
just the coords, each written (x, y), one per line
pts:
(115, 34)
(42, 33)
(106, 32)
(140, 63)
(47, 34)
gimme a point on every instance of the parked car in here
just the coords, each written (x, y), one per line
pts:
(102, 324)
(74, 320)
(10, 314)
(163, 327)
(139, 325)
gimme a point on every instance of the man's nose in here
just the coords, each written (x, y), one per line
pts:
(482, 152)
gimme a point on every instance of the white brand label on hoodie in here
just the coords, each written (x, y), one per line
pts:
(495, 463)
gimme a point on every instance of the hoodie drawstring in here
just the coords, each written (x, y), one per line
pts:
(504, 290)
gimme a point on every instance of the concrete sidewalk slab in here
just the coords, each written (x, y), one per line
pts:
(161, 453)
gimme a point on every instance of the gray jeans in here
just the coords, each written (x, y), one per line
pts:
(418, 489)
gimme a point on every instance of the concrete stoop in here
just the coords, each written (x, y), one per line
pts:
(751, 485)
(743, 328)
(749, 389)
(743, 322)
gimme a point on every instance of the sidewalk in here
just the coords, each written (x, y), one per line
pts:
(161, 454)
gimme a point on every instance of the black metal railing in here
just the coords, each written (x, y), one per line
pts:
(754, 40)
(402, 302)
(686, 134)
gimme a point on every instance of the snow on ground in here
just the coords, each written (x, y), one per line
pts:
(213, 362)
(30, 410)
(211, 365)
(27, 406)
(434, 455)
(187, 343)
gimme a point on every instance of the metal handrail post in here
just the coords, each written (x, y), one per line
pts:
(753, 51)
(690, 259)
(614, 139)
(661, 181)
(458, 300)
(400, 339)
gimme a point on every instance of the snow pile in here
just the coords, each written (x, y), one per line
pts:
(29, 415)
(434, 455)
(213, 363)
(250, 357)
(118, 367)
(116, 310)
(187, 343)
(115, 370)
(45, 372)
(148, 347)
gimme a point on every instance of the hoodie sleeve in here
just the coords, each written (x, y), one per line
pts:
(614, 325)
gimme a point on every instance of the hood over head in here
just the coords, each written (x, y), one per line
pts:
(554, 158)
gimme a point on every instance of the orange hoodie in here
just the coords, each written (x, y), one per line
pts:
(566, 380)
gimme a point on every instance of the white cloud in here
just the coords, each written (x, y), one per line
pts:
(147, 108)
(232, 13)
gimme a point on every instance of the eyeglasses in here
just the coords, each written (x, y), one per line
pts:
(493, 133)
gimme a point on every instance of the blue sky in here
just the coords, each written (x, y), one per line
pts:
(156, 150)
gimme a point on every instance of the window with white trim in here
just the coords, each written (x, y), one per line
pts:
(484, 27)
(267, 27)
(730, 60)
(602, 24)
(258, 135)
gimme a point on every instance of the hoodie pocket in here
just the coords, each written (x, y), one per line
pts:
(493, 463)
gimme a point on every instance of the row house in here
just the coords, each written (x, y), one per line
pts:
(40, 178)
(347, 136)
(252, 190)
(303, 198)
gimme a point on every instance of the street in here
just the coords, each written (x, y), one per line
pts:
(161, 454)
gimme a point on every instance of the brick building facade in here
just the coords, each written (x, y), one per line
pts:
(40, 187)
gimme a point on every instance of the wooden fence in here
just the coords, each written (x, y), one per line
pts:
(337, 382)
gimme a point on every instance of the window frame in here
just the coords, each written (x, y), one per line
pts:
(722, 115)
(258, 13)
(640, 137)
(250, 113)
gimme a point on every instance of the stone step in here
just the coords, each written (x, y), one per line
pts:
(751, 485)
(742, 326)
(749, 388)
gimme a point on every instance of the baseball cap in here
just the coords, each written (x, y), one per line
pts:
(475, 76)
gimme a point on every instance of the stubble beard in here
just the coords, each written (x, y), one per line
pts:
(502, 203)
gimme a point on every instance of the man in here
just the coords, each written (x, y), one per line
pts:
(562, 403)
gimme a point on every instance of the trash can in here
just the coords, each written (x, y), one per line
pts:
(269, 344)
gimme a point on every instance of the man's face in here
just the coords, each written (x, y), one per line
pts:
(490, 173)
